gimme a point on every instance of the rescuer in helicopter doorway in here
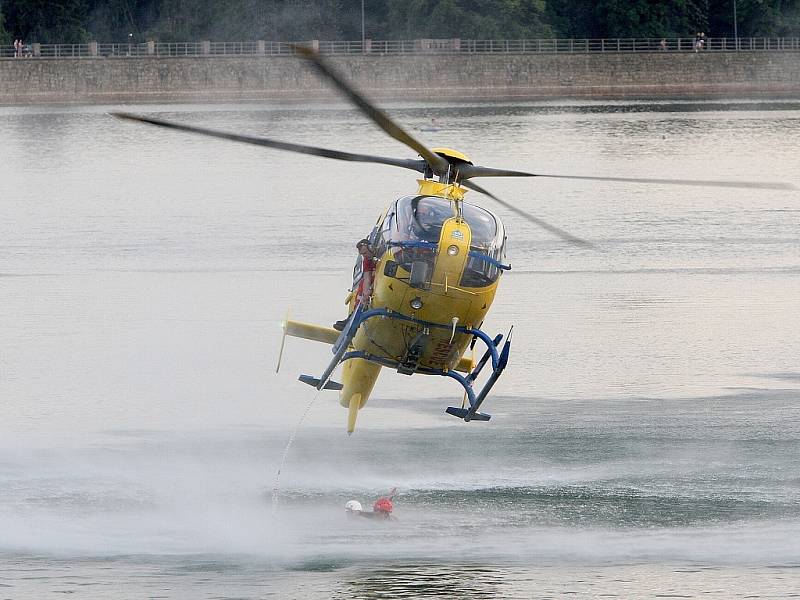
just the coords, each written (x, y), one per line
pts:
(362, 279)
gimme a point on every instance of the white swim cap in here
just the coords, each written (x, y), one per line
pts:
(353, 506)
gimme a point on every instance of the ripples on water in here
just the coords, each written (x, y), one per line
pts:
(644, 439)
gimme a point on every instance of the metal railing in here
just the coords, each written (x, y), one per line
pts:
(421, 46)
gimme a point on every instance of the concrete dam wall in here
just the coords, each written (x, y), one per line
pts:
(407, 77)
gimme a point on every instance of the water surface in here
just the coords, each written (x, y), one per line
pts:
(644, 439)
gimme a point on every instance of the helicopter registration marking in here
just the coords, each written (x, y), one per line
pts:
(441, 351)
(457, 234)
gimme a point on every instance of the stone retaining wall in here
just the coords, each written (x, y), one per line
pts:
(410, 76)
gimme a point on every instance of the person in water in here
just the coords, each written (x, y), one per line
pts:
(381, 509)
(353, 508)
(384, 506)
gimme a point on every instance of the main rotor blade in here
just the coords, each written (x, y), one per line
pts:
(381, 119)
(407, 163)
(469, 171)
(568, 237)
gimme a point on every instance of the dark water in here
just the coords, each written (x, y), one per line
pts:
(644, 440)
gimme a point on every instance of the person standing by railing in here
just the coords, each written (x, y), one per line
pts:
(699, 41)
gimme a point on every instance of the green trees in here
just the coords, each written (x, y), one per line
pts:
(5, 37)
(491, 19)
(114, 20)
(628, 18)
(766, 18)
(73, 21)
(34, 20)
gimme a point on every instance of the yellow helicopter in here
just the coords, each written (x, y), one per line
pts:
(437, 263)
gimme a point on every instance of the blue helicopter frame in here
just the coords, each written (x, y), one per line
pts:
(499, 360)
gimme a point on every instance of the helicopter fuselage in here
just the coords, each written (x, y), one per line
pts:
(438, 265)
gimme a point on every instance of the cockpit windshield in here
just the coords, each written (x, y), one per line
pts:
(418, 220)
(425, 216)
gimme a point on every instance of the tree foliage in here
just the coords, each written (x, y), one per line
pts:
(75, 21)
(33, 20)
(5, 36)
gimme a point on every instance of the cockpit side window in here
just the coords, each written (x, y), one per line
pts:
(488, 239)
(383, 231)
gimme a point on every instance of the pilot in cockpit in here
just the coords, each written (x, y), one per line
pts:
(426, 224)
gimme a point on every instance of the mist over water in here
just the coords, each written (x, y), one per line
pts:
(644, 439)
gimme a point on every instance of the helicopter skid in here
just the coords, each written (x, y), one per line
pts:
(464, 413)
(339, 349)
(314, 382)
